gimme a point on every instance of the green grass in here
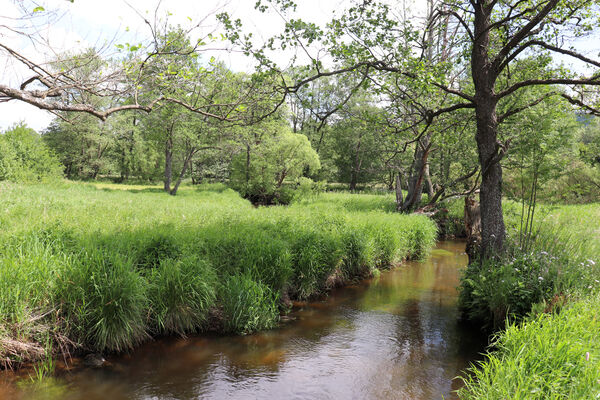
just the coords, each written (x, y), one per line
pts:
(548, 297)
(563, 261)
(550, 357)
(106, 268)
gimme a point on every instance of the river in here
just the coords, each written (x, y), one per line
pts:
(392, 337)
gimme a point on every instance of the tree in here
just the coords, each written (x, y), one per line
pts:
(271, 155)
(496, 35)
(357, 143)
(24, 157)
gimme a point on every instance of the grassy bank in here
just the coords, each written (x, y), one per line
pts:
(548, 297)
(103, 269)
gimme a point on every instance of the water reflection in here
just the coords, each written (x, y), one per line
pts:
(395, 337)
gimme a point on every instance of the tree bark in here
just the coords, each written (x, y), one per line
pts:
(168, 163)
(428, 183)
(399, 195)
(484, 77)
(186, 164)
(417, 176)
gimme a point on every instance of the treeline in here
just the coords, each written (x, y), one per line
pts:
(557, 151)
(226, 126)
(555, 154)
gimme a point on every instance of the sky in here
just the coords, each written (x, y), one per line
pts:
(103, 24)
(91, 23)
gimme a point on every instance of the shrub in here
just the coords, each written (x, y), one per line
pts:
(559, 263)
(24, 157)
(496, 289)
(259, 173)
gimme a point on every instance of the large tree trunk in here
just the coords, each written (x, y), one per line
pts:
(399, 195)
(428, 183)
(186, 164)
(484, 77)
(493, 231)
(353, 180)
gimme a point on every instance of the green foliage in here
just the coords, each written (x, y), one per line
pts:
(248, 305)
(562, 261)
(24, 157)
(260, 172)
(553, 356)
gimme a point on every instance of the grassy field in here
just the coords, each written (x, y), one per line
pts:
(103, 268)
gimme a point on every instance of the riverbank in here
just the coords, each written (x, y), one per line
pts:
(549, 296)
(84, 269)
(393, 336)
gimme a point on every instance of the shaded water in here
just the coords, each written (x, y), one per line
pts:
(393, 337)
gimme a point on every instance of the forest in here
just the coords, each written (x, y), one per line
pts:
(431, 167)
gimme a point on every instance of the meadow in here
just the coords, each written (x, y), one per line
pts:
(86, 268)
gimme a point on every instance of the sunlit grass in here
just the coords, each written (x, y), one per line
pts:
(107, 266)
(550, 357)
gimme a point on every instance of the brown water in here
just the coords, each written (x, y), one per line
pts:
(393, 337)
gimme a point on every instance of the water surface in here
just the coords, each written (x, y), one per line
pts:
(393, 337)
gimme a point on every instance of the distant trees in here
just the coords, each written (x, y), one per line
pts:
(24, 157)
(271, 155)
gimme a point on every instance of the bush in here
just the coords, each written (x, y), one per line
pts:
(248, 305)
(24, 157)
(496, 289)
(259, 173)
(562, 261)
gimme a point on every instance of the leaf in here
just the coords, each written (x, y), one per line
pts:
(39, 9)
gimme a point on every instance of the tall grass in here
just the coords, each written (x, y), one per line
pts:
(107, 268)
(550, 357)
(549, 297)
(563, 261)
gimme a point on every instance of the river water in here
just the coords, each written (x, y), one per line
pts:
(392, 337)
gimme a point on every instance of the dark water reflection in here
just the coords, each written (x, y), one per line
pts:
(395, 337)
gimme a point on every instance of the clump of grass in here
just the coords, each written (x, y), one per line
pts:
(315, 256)
(103, 299)
(550, 357)
(251, 249)
(248, 305)
(181, 293)
(158, 248)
